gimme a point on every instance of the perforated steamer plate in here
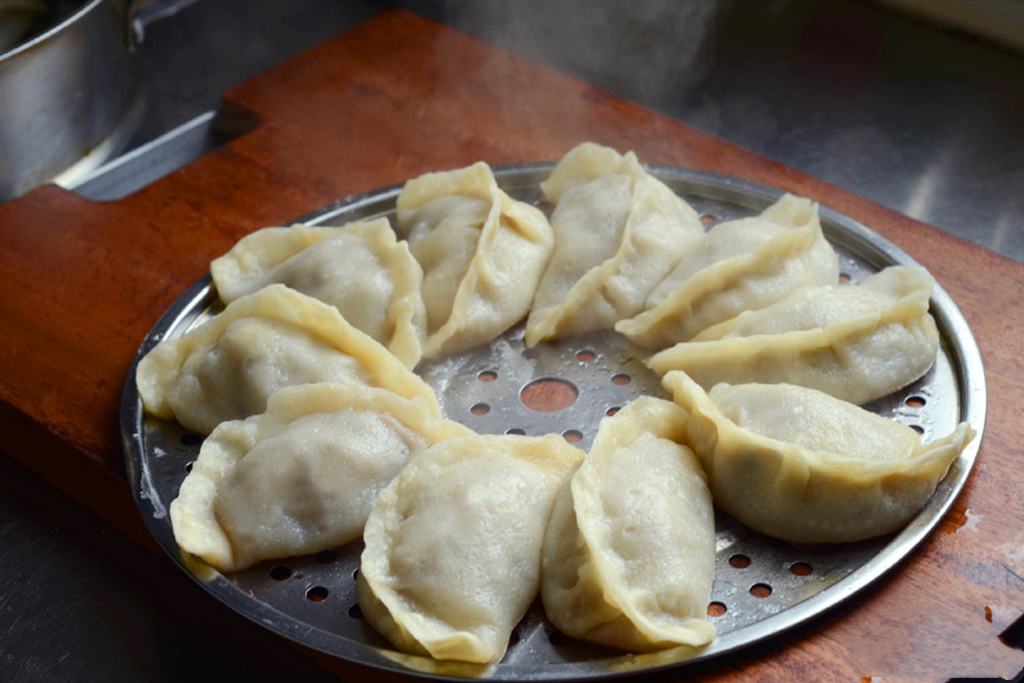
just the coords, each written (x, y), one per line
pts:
(762, 586)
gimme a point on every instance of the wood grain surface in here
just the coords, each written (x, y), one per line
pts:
(83, 282)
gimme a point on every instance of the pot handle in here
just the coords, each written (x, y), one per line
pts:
(138, 14)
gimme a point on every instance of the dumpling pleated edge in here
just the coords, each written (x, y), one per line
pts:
(691, 307)
(196, 528)
(511, 253)
(244, 268)
(160, 367)
(617, 617)
(377, 592)
(818, 358)
(605, 288)
(785, 491)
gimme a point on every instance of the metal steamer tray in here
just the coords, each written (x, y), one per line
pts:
(762, 586)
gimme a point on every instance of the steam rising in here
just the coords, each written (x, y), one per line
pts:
(642, 50)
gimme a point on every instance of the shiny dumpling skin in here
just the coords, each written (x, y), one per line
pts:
(227, 368)
(740, 265)
(361, 269)
(301, 477)
(629, 554)
(802, 466)
(452, 558)
(482, 255)
(618, 232)
(855, 342)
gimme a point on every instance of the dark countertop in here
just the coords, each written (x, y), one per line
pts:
(909, 116)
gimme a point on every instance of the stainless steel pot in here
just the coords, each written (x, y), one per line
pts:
(69, 97)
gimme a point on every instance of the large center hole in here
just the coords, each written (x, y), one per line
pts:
(548, 394)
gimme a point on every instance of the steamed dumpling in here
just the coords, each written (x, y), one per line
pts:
(802, 466)
(854, 342)
(301, 477)
(361, 269)
(740, 265)
(618, 233)
(481, 251)
(227, 368)
(452, 558)
(629, 554)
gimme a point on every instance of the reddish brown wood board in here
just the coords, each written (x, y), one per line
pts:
(81, 283)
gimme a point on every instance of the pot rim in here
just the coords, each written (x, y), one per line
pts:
(88, 6)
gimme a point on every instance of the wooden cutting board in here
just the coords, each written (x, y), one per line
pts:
(81, 283)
